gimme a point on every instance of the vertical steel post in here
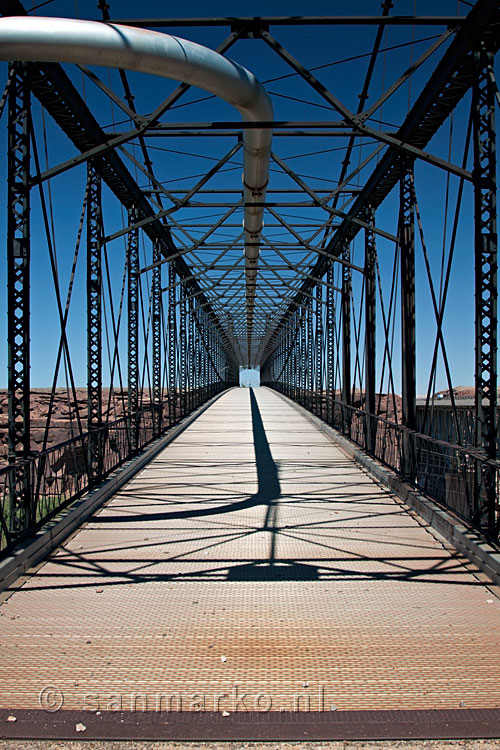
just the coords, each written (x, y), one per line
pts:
(133, 329)
(319, 350)
(286, 354)
(191, 357)
(204, 360)
(156, 339)
(219, 359)
(304, 363)
(199, 354)
(196, 354)
(211, 361)
(310, 356)
(204, 357)
(298, 347)
(346, 327)
(408, 339)
(172, 345)
(486, 290)
(94, 323)
(182, 349)
(296, 361)
(222, 361)
(18, 294)
(216, 359)
(286, 332)
(408, 347)
(330, 342)
(370, 330)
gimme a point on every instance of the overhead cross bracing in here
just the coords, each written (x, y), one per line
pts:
(352, 126)
(371, 280)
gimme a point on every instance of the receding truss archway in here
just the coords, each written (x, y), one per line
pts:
(392, 211)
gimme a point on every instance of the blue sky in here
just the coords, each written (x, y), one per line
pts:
(313, 46)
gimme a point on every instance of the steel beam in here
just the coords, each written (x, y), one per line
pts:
(191, 368)
(319, 351)
(370, 332)
(330, 343)
(183, 349)
(133, 330)
(18, 262)
(156, 339)
(310, 354)
(172, 344)
(260, 22)
(94, 321)
(451, 79)
(346, 327)
(486, 288)
(408, 338)
(57, 94)
(303, 353)
(18, 292)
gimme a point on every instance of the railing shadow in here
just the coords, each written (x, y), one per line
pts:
(324, 556)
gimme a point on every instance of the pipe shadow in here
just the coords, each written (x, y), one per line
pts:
(268, 489)
(268, 494)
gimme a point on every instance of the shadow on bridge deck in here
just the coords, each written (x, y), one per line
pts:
(323, 589)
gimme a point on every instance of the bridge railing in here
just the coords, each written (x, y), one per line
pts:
(456, 477)
(34, 490)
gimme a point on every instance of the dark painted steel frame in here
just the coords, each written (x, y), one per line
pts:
(18, 290)
(301, 339)
(94, 320)
(486, 282)
(133, 330)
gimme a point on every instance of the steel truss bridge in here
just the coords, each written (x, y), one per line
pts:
(343, 260)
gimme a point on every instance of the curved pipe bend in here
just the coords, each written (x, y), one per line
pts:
(66, 40)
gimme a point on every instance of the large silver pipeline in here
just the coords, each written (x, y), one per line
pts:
(66, 40)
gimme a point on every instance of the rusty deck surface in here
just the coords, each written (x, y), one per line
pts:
(251, 558)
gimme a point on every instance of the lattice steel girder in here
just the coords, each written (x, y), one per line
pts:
(346, 327)
(204, 354)
(133, 332)
(191, 363)
(408, 339)
(133, 315)
(319, 349)
(486, 287)
(310, 353)
(485, 253)
(183, 348)
(156, 339)
(18, 293)
(18, 262)
(197, 354)
(172, 344)
(94, 298)
(94, 318)
(330, 341)
(370, 327)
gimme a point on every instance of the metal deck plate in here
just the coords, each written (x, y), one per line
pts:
(252, 558)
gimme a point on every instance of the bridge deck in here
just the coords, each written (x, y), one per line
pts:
(252, 553)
